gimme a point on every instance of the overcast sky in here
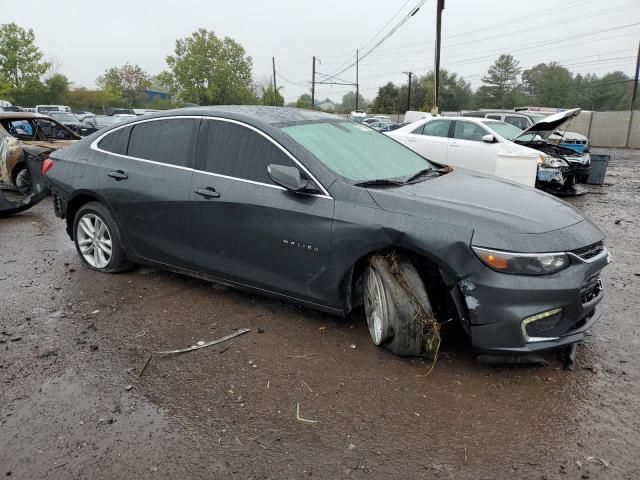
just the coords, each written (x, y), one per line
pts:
(88, 37)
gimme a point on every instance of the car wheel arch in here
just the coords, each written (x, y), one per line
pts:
(74, 204)
(436, 275)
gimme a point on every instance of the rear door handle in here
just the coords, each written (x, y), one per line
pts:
(454, 144)
(118, 175)
(208, 192)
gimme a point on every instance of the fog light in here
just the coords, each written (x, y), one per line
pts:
(535, 325)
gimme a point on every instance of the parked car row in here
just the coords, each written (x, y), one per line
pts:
(317, 209)
(499, 148)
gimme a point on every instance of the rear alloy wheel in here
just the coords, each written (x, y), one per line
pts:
(97, 239)
(94, 240)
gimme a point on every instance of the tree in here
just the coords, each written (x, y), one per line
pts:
(304, 101)
(20, 60)
(610, 92)
(268, 97)
(501, 82)
(549, 84)
(57, 89)
(206, 70)
(455, 92)
(349, 102)
(127, 81)
(387, 99)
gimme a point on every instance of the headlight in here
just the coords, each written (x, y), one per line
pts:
(522, 263)
(553, 162)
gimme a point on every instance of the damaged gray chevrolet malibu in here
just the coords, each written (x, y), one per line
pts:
(313, 208)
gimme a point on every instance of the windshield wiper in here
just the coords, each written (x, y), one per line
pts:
(379, 182)
(427, 171)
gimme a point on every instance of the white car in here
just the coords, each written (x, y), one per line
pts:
(479, 144)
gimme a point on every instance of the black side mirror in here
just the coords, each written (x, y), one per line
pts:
(291, 179)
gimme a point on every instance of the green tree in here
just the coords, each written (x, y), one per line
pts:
(349, 102)
(268, 98)
(609, 92)
(207, 70)
(550, 85)
(455, 92)
(387, 99)
(127, 81)
(501, 82)
(57, 89)
(304, 101)
(20, 59)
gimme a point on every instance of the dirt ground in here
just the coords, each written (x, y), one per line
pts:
(72, 403)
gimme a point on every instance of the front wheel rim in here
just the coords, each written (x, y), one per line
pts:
(376, 308)
(94, 240)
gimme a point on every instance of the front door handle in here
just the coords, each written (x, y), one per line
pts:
(118, 175)
(208, 192)
(454, 144)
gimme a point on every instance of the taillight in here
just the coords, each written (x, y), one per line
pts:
(46, 165)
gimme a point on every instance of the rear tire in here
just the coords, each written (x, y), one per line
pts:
(397, 307)
(98, 239)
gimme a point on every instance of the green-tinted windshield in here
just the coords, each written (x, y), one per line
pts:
(504, 129)
(357, 152)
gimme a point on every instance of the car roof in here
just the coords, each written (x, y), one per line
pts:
(254, 114)
(21, 115)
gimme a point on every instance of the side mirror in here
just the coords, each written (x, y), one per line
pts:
(291, 179)
(488, 138)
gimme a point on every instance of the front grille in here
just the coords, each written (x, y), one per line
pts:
(591, 290)
(585, 253)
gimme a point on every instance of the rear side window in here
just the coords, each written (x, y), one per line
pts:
(494, 117)
(237, 151)
(170, 141)
(116, 141)
(437, 128)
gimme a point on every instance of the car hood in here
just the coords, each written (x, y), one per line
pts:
(548, 125)
(480, 202)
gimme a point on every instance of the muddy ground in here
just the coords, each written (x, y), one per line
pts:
(72, 404)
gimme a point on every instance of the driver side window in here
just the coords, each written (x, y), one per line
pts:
(52, 130)
(237, 151)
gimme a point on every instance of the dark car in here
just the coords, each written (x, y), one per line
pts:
(72, 122)
(313, 208)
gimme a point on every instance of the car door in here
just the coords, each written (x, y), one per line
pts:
(246, 228)
(431, 140)
(468, 150)
(145, 178)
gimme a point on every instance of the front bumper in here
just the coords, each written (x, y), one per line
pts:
(498, 303)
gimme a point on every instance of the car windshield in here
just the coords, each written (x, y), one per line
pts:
(356, 152)
(504, 129)
(63, 116)
(537, 117)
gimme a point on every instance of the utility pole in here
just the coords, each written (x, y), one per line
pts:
(632, 108)
(409, 74)
(436, 70)
(357, 83)
(313, 84)
(275, 88)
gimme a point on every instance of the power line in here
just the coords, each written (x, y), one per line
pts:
(383, 39)
(376, 34)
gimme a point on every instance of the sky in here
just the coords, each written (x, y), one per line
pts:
(84, 39)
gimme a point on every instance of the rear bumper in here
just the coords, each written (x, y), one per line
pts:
(498, 303)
